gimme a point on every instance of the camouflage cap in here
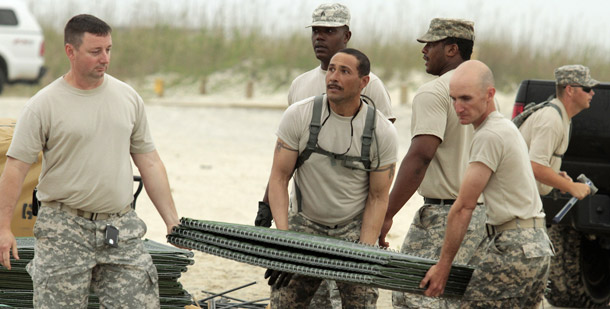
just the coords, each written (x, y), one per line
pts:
(330, 15)
(442, 28)
(574, 74)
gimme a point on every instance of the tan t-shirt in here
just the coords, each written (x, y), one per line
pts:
(433, 114)
(331, 193)
(86, 137)
(547, 133)
(313, 83)
(511, 191)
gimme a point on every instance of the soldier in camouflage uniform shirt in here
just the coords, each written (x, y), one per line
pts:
(513, 263)
(89, 126)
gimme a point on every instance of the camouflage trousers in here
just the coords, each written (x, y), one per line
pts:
(425, 239)
(512, 270)
(300, 291)
(71, 259)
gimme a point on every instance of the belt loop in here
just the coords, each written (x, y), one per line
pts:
(490, 230)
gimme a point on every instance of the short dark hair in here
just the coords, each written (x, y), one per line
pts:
(79, 24)
(364, 65)
(559, 90)
(465, 46)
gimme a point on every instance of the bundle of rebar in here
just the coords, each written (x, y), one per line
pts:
(16, 284)
(313, 255)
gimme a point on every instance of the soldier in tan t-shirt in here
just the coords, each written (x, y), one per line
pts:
(330, 33)
(513, 262)
(437, 157)
(89, 126)
(341, 194)
(547, 132)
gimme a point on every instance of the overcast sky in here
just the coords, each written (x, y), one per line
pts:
(549, 24)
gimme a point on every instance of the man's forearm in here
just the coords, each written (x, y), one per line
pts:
(410, 176)
(549, 177)
(11, 184)
(372, 219)
(157, 188)
(457, 226)
(154, 177)
(278, 202)
(8, 201)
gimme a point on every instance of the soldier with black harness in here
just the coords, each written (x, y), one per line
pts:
(344, 154)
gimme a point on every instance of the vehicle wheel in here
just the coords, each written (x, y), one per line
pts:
(595, 270)
(2, 80)
(575, 272)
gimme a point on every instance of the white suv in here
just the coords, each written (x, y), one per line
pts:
(21, 45)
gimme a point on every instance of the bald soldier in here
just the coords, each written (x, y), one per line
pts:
(513, 262)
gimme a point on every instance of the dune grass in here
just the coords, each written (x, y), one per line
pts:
(195, 53)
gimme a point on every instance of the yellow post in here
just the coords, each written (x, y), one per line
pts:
(250, 89)
(202, 85)
(159, 87)
(403, 94)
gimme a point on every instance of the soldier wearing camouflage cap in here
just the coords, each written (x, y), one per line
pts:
(437, 157)
(547, 135)
(442, 28)
(547, 130)
(330, 33)
(574, 74)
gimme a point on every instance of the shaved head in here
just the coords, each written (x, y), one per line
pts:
(472, 91)
(475, 71)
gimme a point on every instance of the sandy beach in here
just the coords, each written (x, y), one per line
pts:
(218, 160)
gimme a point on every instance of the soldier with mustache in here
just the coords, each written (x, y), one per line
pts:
(330, 33)
(344, 153)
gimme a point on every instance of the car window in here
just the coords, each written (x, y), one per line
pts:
(8, 18)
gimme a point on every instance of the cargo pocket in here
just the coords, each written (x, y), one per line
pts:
(152, 274)
(154, 280)
(39, 280)
(423, 217)
(535, 250)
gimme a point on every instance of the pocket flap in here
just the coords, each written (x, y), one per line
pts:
(534, 250)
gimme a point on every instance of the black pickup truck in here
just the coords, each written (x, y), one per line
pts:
(580, 270)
